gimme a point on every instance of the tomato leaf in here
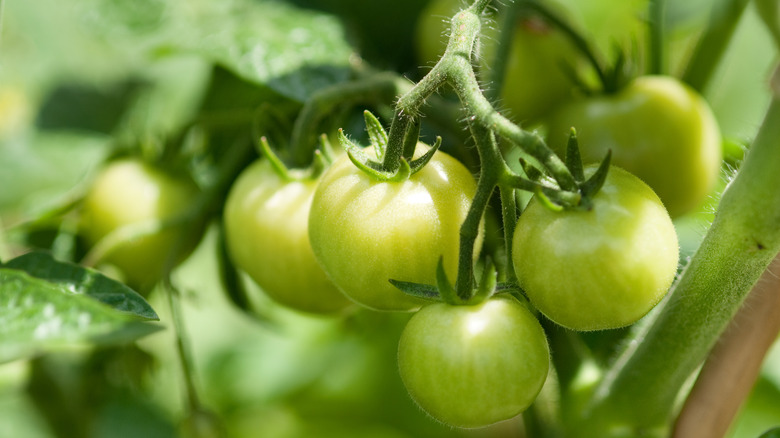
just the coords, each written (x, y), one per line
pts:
(37, 315)
(84, 281)
(292, 51)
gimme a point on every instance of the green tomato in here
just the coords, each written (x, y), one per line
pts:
(365, 232)
(266, 226)
(601, 268)
(128, 192)
(658, 129)
(472, 366)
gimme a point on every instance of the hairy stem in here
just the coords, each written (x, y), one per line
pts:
(509, 216)
(640, 390)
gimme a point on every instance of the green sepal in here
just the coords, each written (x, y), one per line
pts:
(326, 149)
(323, 158)
(376, 133)
(370, 167)
(276, 164)
(546, 201)
(508, 288)
(448, 293)
(487, 283)
(590, 187)
(418, 164)
(531, 172)
(573, 157)
(417, 290)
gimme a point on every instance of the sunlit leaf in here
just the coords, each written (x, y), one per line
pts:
(38, 316)
(80, 280)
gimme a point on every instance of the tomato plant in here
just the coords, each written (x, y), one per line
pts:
(128, 193)
(600, 268)
(266, 226)
(658, 129)
(572, 253)
(365, 232)
(471, 366)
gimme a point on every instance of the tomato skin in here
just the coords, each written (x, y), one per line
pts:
(266, 226)
(601, 268)
(129, 191)
(472, 366)
(658, 129)
(365, 232)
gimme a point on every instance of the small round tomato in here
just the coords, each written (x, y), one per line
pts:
(657, 128)
(128, 192)
(472, 366)
(266, 226)
(601, 268)
(365, 232)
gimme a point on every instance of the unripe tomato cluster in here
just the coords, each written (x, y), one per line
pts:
(333, 242)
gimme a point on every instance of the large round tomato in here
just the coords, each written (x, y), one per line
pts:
(130, 191)
(471, 366)
(657, 128)
(601, 268)
(535, 79)
(365, 232)
(266, 225)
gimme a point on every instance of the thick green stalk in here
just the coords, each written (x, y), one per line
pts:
(709, 50)
(492, 167)
(509, 216)
(639, 393)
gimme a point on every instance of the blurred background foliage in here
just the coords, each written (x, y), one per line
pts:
(81, 79)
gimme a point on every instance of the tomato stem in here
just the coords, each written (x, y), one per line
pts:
(509, 217)
(182, 348)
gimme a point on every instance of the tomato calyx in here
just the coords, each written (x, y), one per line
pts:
(445, 292)
(323, 157)
(378, 169)
(548, 192)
